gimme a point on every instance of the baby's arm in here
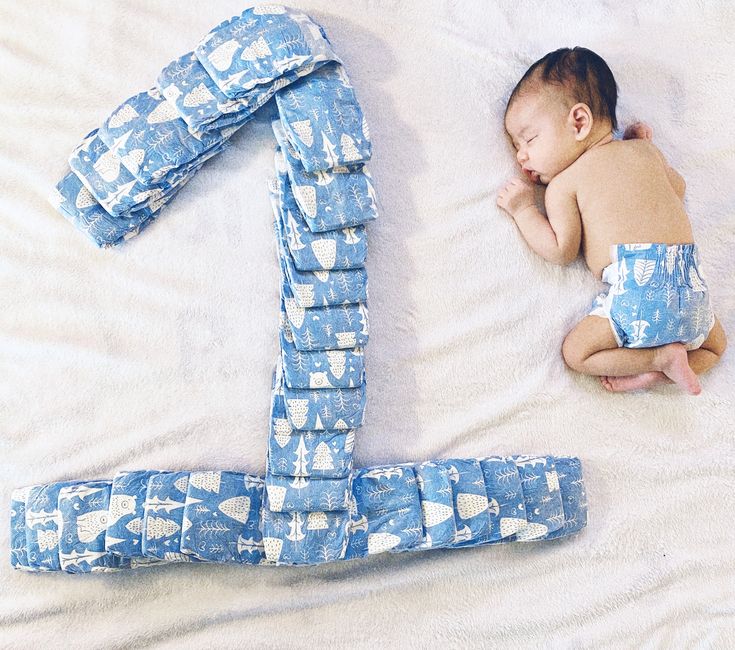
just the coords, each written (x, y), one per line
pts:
(557, 237)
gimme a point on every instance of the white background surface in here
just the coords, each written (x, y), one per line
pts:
(159, 354)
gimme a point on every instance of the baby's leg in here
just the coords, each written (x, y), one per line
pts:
(591, 348)
(700, 360)
(706, 356)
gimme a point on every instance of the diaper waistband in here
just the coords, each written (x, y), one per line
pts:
(673, 264)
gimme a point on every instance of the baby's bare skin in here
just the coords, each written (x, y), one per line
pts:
(601, 181)
(600, 192)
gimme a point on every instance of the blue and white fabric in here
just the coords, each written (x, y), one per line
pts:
(125, 522)
(221, 517)
(114, 187)
(311, 454)
(307, 494)
(311, 251)
(321, 288)
(658, 295)
(388, 509)
(572, 494)
(325, 408)
(259, 46)
(163, 517)
(199, 101)
(84, 510)
(437, 504)
(325, 328)
(541, 497)
(18, 532)
(72, 199)
(319, 368)
(392, 508)
(504, 487)
(42, 524)
(336, 198)
(151, 140)
(323, 120)
(319, 409)
(305, 537)
(471, 503)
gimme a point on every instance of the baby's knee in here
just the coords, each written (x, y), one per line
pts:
(574, 355)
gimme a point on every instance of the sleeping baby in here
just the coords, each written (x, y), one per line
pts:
(620, 202)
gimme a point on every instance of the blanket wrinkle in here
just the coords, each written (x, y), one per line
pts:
(658, 465)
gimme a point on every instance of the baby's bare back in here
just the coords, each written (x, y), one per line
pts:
(625, 196)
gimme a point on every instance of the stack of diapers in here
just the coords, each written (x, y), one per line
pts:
(150, 518)
(123, 173)
(312, 505)
(322, 197)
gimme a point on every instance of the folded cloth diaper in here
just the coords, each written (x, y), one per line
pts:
(259, 46)
(304, 537)
(163, 517)
(471, 503)
(199, 101)
(304, 494)
(319, 368)
(114, 187)
(322, 288)
(76, 203)
(323, 409)
(42, 525)
(505, 492)
(84, 510)
(541, 497)
(325, 328)
(573, 496)
(18, 537)
(152, 141)
(658, 295)
(437, 504)
(337, 249)
(312, 454)
(323, 120)
(387, 514)
(338, 198)
(125, 522)
(221, 517)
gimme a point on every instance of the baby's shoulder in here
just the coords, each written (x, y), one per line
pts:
(632, 150)
(616, 157)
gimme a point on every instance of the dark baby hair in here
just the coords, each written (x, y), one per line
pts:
(584, 76)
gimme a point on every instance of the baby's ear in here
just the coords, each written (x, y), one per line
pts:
(581, 118)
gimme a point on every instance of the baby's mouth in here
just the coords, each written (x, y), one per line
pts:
(532, 175)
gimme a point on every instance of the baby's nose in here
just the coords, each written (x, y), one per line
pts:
(521, 156)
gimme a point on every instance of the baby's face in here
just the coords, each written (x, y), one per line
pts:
(542, 136)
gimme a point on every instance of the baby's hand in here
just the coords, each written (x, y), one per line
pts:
(516, 196)
(638, 131)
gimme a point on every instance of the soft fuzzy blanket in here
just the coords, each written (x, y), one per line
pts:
(159, 354)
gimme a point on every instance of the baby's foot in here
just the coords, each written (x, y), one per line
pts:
(672, 360)
(633, 382)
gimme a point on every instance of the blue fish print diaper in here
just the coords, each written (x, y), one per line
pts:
(658, 295)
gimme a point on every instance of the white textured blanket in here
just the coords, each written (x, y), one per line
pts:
(159, 354)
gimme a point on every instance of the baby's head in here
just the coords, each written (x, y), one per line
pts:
(563, 105)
